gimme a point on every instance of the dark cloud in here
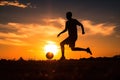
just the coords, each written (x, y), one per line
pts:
(7, 29)
(98, 11)
(14, 3)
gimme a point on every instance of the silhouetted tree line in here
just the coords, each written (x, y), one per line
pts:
(116, 57)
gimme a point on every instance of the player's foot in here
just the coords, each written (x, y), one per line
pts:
(89, 51)
(62, 58)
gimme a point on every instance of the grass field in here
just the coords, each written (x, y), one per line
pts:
(82, 69)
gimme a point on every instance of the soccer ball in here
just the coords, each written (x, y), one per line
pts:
(49, 55)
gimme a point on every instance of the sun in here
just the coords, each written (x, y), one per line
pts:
(51, 48)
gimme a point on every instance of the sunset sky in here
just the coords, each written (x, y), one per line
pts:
(27, 26)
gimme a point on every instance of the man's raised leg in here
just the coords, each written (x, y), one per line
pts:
(81, 49)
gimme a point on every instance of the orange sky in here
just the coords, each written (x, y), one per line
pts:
(25, 28)
(30, 41)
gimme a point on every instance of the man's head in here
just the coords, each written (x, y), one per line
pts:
(69, 15)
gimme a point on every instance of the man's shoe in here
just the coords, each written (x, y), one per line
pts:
(89, 51)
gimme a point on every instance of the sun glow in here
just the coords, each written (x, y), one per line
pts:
(51, 48)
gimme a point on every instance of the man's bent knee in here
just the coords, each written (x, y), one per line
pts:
(72, 48)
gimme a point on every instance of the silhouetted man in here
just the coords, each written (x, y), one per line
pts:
(71, 27)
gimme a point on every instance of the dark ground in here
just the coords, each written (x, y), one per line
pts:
(83, 69)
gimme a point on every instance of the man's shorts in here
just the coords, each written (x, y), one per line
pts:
(70, 41)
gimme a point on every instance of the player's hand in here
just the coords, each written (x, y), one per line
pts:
(83, 32)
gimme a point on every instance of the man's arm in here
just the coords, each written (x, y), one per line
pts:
(62, 31)
(82, 27)
(83, 31)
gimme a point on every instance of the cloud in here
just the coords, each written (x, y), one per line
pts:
(28, 34)
(15, 3)
(117, 36)
(9, 41)
(57, 22)
(33, 29)
(6, 28)
(102, 28)
(11, 38)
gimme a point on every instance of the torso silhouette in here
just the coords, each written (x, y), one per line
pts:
(71, 26)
